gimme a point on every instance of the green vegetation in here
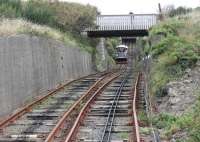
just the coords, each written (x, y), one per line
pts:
(188, 122)
(171, 11)
(144, 123)
(111, 44)
(25, 27)
(145, 130)
(69, 19)
(142, 117)
(63, 21)
(38, 12)
(123, 135)
(10, 8)
(178, 49)
(72, 17)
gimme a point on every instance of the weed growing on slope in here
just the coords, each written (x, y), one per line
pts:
(174, 52)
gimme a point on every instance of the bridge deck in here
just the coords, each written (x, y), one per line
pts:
(122, 25)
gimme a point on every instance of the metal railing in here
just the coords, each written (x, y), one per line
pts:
(124, 22)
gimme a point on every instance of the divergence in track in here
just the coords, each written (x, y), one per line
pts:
(108, 116)
(83, 111)
(36, 121)
(112, 114)
(67, 121)
(106, 136)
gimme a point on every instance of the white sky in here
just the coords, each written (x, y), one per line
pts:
(136, 6)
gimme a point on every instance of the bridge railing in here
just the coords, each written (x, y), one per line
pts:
(125, 22)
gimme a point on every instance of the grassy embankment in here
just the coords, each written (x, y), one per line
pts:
(61, 20)
(178, 50)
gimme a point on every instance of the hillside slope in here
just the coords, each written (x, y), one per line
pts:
(175, 77)
(41, 48)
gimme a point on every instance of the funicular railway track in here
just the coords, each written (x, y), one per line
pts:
(35, 121)
(98, 108)
(111, 115)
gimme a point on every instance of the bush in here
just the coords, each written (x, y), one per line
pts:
(188, 122)
(164, 120)
(39, 12)
(171, 11)
(179, 11)
(74, 17)
(67, 17)
(172, 54)
(167, 44)
(70, 18)
(178, 50)
(169, 27)
(10, 8)
(111, 44)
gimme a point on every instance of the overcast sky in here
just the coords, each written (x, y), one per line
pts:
(136, 6)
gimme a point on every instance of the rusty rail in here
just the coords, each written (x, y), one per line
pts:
(28, 107)
(83, 112)
(57, 129)
(136, 125)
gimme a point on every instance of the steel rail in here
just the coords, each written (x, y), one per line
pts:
(28, 107)
(61, 122)
(84, 109)
(149, 108)
(135, 120)
(112, 116)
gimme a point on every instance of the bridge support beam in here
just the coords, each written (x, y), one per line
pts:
(118, 33)
(128, 40)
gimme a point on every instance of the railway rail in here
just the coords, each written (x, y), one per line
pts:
(106, 117)
(66, 122)
(140, 104)
(97, 108)
(137, 90)
(106, 135)
(35, 121)
(28, 107)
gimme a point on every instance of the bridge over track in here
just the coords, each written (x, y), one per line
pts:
(122, 25)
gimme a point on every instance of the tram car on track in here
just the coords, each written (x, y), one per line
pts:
(121, 54)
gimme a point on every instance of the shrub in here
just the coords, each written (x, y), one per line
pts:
(67, 17)
(164, 120)
(167, 27)
(179, 11)
(74, 17)
(10, 8)
(111, 44)
(39, 12)
(169, 43)
(178, 50)
(70, 18)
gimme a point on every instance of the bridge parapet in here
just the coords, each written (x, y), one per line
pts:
(123, 23)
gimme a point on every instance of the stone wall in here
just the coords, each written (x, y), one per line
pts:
(30, 65)
(103, 60)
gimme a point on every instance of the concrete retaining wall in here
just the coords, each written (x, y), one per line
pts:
(30, 65)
